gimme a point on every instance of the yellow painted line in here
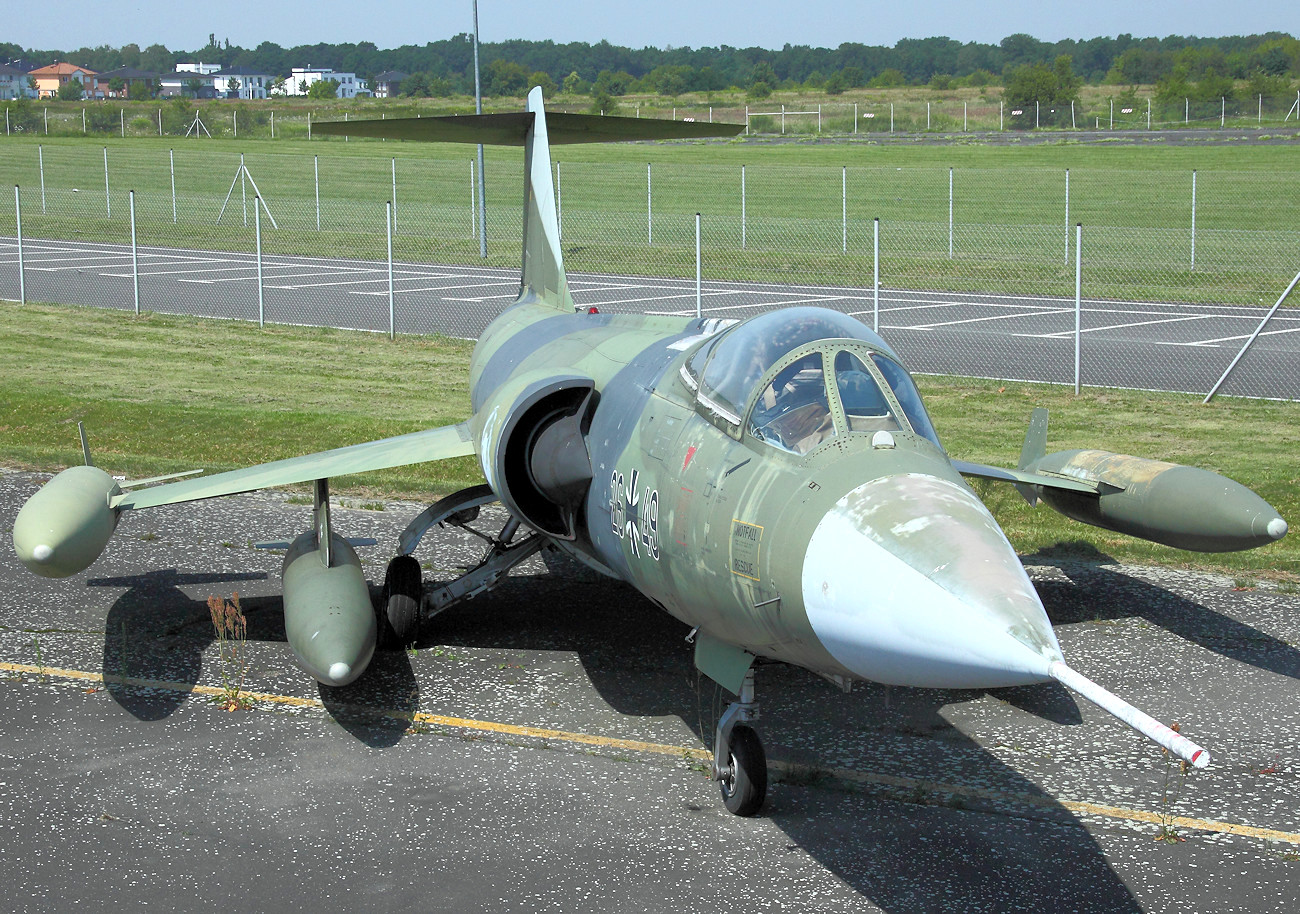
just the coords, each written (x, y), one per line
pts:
(608, 742)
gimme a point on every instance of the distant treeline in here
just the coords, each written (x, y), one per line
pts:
(446, 67)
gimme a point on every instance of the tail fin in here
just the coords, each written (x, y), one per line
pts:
(543, 278)
(1033, 450)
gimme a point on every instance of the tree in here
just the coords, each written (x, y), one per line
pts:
(324, 88)
(574, 84)
(193, 87)
(505, 77)
(232, 87)
(1051, 92)
(116, 85)
(543, 79)
(71, 91)
(139, 90)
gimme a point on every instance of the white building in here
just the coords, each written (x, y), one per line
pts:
(13, 83)
(241, 82)
(203, 69)
(302, 78)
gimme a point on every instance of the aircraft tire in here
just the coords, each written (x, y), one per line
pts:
(398, 612)
(744, 791)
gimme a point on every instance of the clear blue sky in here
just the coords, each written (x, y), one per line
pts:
(70, 24)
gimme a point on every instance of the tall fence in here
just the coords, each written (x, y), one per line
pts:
(963, 111)
(1206, 238)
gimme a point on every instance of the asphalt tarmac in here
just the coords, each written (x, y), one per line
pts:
(540, 750)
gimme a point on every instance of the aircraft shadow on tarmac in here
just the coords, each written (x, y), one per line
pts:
(154, 631)
(901, 853)
(1098, 590)
(912, 855)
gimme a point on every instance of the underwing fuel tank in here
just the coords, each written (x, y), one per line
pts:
(328, 617)
(64, 527)
(1179, 506)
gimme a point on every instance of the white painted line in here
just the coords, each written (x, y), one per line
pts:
(991, 317)
(691, 312)
(474, 285)
(1065, 334)
(1245, 336)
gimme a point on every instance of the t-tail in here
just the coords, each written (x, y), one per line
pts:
(543, 279)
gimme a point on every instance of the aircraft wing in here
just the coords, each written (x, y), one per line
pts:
(417, 447)
(1021, 477)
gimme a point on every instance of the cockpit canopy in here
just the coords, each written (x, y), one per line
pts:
(796, 377)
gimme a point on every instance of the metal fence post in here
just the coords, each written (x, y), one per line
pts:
(40, 157)
(697, 266)
(844, 209)
(171, 159)
(742, 207)
(316, 171)
(649, 208)
(473, 211)
(388, 225)
(18, 218)
(1250, 342)
(1078, 305)
(135, 259)
(950, 213)
(393, 220)
(559, 202)
(875, 278)
(1067, 217)
(1193, 218)
(257, 234)
(108, 202)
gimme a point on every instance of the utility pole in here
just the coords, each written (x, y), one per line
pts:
(482, 185)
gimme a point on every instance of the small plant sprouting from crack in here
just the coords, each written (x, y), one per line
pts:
(40, 661)
(232, 643)
(1168, 832)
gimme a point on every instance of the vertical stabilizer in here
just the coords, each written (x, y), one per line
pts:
(543, 276)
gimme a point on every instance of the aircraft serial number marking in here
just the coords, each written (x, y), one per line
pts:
(634, 513)
(746, 541)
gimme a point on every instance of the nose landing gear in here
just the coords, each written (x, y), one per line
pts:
(739, 763)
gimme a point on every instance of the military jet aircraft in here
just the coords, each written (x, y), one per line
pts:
(776, 484)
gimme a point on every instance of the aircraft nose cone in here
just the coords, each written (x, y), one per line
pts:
(908, 580)
(1276, 528)
(340, 672)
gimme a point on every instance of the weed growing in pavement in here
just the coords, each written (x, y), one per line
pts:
(232, 644)
(1168, 832)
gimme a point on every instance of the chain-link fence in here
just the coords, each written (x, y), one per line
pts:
(961, 111)
(1179, 248)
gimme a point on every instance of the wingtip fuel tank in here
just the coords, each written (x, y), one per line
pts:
(64, 527)
(1180, 506)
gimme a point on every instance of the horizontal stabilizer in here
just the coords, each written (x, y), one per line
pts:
(511, 128)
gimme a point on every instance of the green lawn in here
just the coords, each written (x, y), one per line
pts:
(807, 213)
(162, 394)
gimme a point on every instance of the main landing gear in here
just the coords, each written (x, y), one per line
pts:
(739, 763)
(404, 603)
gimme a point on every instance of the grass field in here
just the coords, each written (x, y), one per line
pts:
(163, 394)
(806, 213)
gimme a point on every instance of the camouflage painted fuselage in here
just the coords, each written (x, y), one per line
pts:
(716, 526)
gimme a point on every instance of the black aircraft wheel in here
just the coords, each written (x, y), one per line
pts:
(745, 788)
(398, 612)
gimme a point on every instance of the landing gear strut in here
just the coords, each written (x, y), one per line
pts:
(404, 603)
(739, 763)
